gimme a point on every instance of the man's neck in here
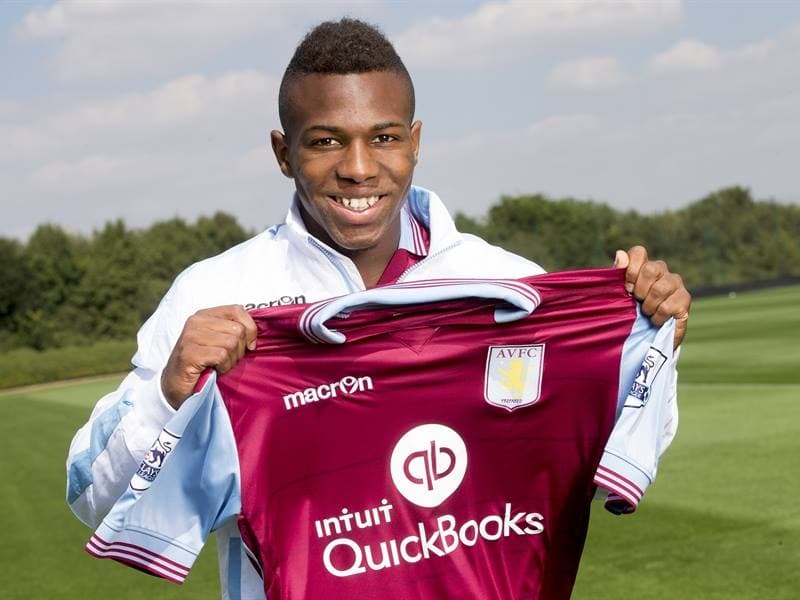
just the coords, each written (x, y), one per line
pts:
(370, 262)
(370, 267)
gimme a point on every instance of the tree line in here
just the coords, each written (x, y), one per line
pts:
(726, 237)
(60, 289)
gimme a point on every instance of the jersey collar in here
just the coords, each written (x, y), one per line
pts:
(414, 237)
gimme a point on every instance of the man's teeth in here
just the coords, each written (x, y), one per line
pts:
(358, 204)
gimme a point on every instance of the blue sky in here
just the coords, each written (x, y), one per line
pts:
(148, 110)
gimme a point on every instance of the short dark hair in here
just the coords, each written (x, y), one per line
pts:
(340, 48)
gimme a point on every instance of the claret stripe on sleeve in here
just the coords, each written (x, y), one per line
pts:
(138, 557)
(617, 484)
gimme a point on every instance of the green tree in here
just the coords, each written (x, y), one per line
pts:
(108, 301)
(53, 271)
(13, 276)
(725, 237)
(219, 232)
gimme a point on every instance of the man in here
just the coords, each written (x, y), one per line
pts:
(350, 143)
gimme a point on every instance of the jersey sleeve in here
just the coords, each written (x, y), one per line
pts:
(106, 451)
(239, 578)
(187, 486)
(647, 417)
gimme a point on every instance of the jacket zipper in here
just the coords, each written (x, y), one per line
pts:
(335, 262)
(427, 259)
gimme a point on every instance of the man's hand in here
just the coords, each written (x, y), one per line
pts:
(214, 337)
(661, 293)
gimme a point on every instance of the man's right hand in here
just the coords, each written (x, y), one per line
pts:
(214, 337)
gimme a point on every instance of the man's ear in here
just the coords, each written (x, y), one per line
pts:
(280, 147)
(416, 133)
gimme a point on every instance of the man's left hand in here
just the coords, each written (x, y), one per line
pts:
(661, 293)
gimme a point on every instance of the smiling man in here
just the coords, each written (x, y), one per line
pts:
(350, 143)
(351, 147)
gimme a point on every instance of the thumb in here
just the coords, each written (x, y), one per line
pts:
(681, 324)
(621, 259)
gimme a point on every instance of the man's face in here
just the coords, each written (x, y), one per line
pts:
(351, 149)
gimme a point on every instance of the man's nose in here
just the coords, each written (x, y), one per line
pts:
(358, 164)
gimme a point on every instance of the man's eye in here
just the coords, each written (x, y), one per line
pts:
(384, 138)
(328, 141)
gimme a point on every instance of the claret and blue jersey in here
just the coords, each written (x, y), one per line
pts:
(434, 439)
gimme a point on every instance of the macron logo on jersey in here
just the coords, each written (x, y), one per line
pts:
(346, 386)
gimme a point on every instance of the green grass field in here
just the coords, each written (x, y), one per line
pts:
(722, 521)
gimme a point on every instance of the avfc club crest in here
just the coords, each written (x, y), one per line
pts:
(513, 375)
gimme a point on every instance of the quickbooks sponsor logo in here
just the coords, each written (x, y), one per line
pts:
(428, 464)
(346, 386)
(344, 557)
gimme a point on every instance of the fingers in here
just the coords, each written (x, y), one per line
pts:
(234, 313)
(663, 294)
(681, 324)
(621, 259)
(663, 297)
(227, 328)
(214, 337)
(637, 257)
(675, 305)
(209, 348)
(653, 277)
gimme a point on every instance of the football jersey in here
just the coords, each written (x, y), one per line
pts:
(434, 439)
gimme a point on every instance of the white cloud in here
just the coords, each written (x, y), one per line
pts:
(115, 39)
(588, 73)
(143, 186)
(734, 77)
(88, 172)
(650, 161)
(786, 105)
(7, 107)
(688, 55)
(498, 32)
(695, 56)
(755, 51)
(183, 110)
(190, 146)
(563, 129)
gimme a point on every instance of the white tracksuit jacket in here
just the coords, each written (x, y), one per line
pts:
(282, 265)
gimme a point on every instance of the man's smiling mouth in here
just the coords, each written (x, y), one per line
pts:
(356, 204)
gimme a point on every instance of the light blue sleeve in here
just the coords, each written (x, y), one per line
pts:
(646, 416)
(187, 485)
(106, 451)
